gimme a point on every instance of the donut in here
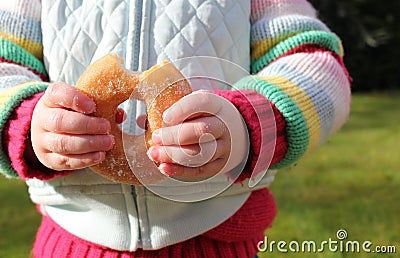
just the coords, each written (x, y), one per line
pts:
(109, 84)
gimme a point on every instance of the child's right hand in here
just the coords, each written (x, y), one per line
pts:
(63, 135)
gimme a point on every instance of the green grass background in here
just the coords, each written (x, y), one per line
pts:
(352, 182)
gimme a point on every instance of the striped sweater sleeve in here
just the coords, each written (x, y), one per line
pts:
(22, 74)
(296, 63)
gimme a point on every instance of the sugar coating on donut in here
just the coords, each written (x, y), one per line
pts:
(109, 84)
(161, 86)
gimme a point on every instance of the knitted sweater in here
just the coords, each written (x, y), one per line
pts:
(296, 66)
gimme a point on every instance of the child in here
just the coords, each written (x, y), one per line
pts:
(49, 138)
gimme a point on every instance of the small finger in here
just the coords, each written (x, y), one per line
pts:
(189, 155)
(66, 121)
(58, 162)
(120, 116)
(66, 96)
(77, 144)
(205, 171)
(190, 132)
(198, 102)
(141, 121)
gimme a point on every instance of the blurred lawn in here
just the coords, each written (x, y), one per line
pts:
(352, 182)
(18, 219)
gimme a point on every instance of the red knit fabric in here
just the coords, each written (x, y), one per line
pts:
(236, 237)
(266, 129)
(250, 221)
(15, 135)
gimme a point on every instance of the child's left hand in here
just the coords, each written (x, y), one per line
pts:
(200, 130)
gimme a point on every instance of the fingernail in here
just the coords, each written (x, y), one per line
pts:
(89, 107)
(154, 154)
(156, 137)
(167, 116)
(165, 169)
(100, 156)
(104, 126)
(108, 141)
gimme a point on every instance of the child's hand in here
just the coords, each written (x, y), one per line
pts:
(200, 146)
(63, 135)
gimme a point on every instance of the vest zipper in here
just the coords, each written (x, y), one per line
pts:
(134, 198)
(136, 43)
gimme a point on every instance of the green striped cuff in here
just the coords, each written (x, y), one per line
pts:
(10, 100)
(12, 52)
(296, 129)
(323, 38)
